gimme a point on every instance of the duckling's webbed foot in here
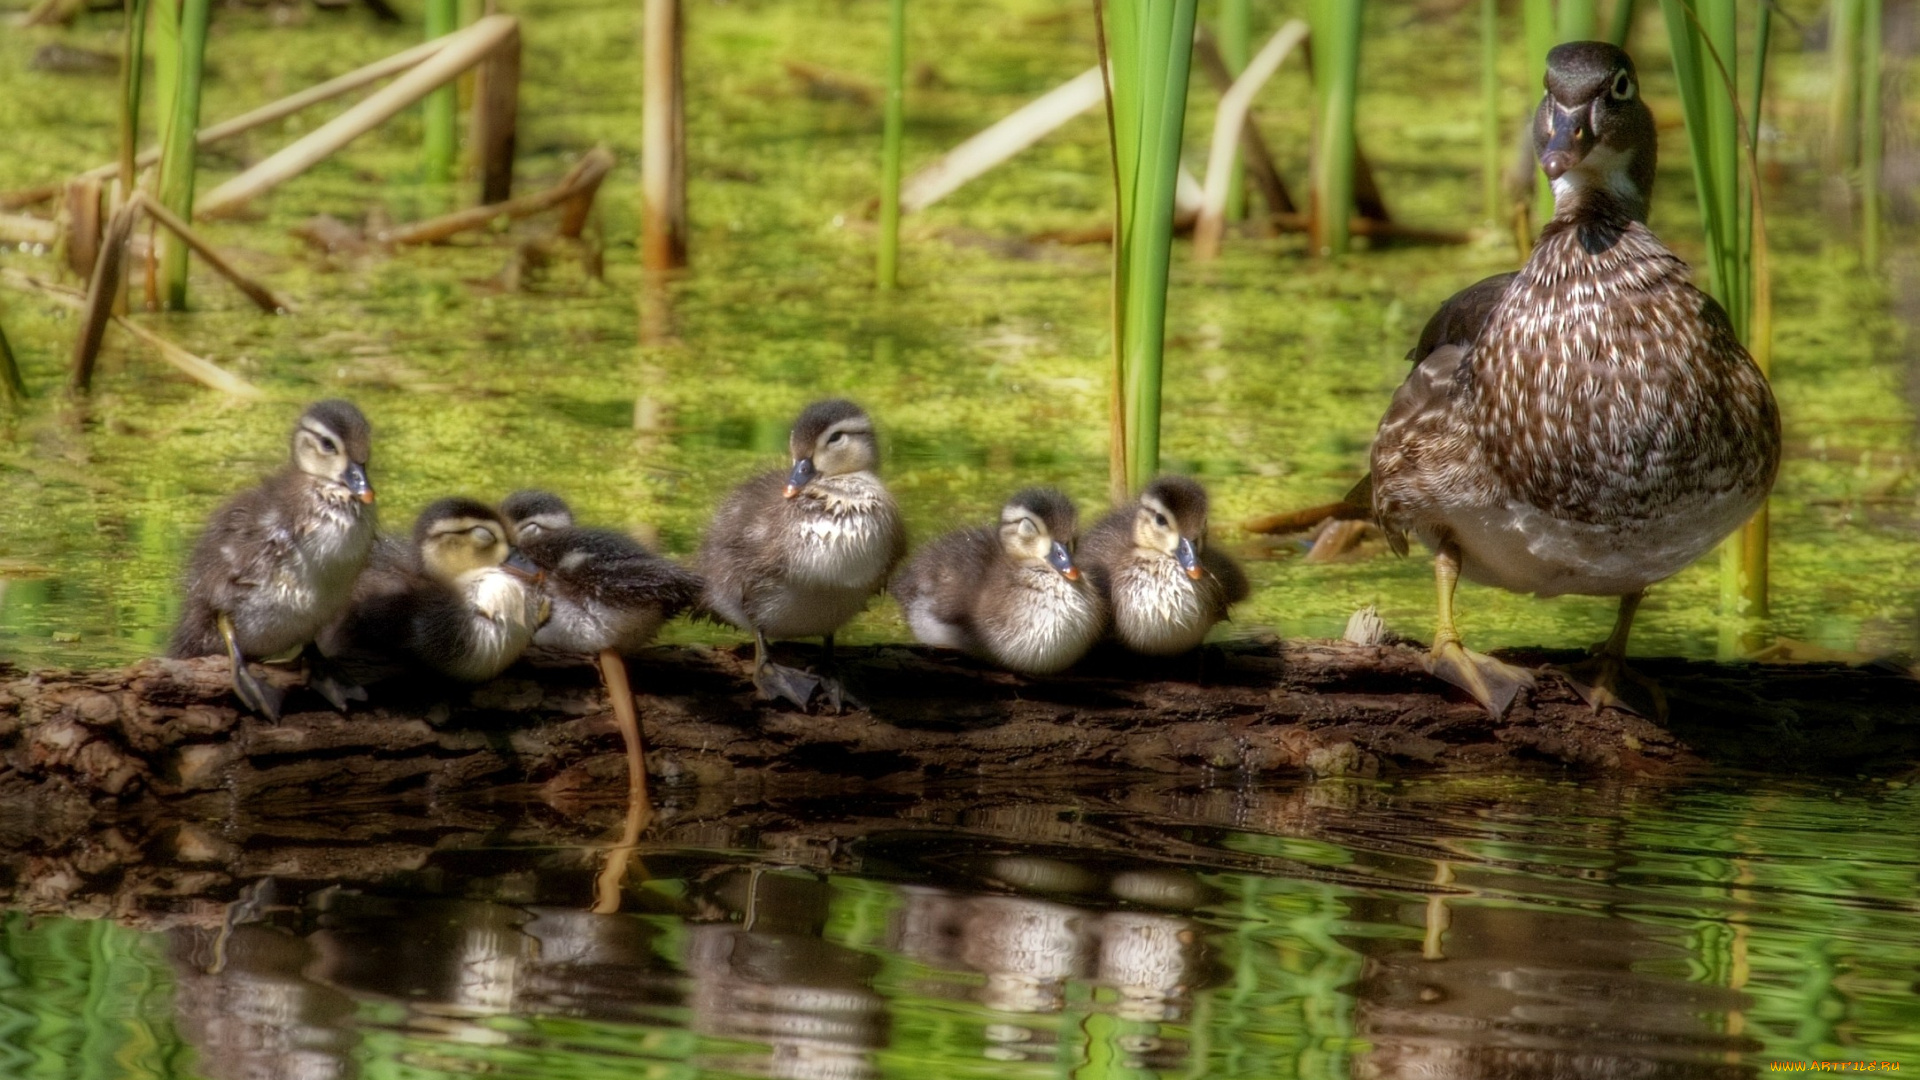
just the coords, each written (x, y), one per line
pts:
(1492, 683)
(777, 682)
(325, 678)
(253, 693)
(832, 686)
(1605, 681)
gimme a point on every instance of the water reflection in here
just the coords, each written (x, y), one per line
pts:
(1498, 929)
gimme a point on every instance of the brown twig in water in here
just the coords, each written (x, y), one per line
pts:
(579, 184)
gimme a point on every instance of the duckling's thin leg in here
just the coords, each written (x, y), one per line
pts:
(831, 684)
(779, 683)
(613, 671)
(1606, 680)
(1492, 683)
(325, 678)
(252, 693)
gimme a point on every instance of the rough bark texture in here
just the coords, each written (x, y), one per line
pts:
(171, 730)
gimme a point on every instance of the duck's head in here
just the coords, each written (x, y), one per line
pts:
(1592, 131)
(331, 443)
(532, 513)
(1037, 525)
(831, 438)
(1172, 519)
(458, 536)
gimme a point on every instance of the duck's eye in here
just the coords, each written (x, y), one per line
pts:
(328, 446)
(836, 437)
(1160, 520)
(483, 536)
(1622, 86)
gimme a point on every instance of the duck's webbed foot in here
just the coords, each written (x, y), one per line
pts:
(1605, 681)
(777, 682)
(1492, 683)
(253, 693)
(834, 688)
(325, 678)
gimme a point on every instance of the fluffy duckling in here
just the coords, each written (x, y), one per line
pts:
(1009, 594)
(610, 595)
(799, 553)
(461, 602)
(277, 563)
(1151, 563)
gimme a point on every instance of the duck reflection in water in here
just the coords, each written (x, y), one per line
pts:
(771, 978)
(244, 1003)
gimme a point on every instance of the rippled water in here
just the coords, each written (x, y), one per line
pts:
(1483, 928)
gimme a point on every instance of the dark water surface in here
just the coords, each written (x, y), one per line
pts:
(1431, 928)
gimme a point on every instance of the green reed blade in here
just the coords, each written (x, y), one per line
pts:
(1622, 26)
(132, 69)
(1336, 76)
(1846, 22)
(888, 269)
(1150, 43)
(1872, 133)
(1234, 32)
(1578, 20)
(1491, 155)
(1541, 29)
(179, 150)
(440, 111)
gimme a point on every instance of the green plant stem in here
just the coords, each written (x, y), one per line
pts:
(1491, 155)
(1336, 75)
(1872, 134)
(1540, 28)
(440, 110)
(1578, 21)
(1235, 35)
(179, 152)
(888, 270)
(1843, 108)
(132, 70)
(1622, 27)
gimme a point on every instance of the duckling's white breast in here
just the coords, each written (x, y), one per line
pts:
(502, 614)
(314, 584)
(1050, 623)
(1156, 609)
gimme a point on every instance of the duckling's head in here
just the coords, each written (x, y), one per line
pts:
(1592, 131)
(531, 513)
(331, 443)
(1172, 519)
(831, 438)
(458, 536)
(1037, 525)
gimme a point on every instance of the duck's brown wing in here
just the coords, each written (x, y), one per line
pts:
(946, 577)
(1230, 581)
(1458, 321)
(740, 553)
(1103, 545)
(1406, 445)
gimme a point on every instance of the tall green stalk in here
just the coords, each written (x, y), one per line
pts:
(1491, 155)
(1542, 35)
(440, 110)
(1872, 133)
(179, 150)
(1843, 107)
(1336, 87)
(1622, 25)
(1579, 20)
(1235, 35)
(1151, 46)
(1706, 69)
(888, 269)
(132, 70)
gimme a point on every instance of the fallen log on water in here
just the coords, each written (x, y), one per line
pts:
(169, 729)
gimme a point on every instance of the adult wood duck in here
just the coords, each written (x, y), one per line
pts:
(1151, 563)
(1010, 594)
(278, 562)
(1587, 425)
(461, 601)
(610, 595)
(800, 552)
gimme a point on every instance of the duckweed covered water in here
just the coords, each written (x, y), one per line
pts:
(986, 373)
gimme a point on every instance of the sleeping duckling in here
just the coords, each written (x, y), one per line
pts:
(610, 595)
(1011, 595)
(1150, 561)
(461, 602)
(799, 553)
(278, 562)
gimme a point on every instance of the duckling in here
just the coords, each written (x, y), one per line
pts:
(278, 562)
(1151, 564)
(609, 594)
(1590, 424)
(799, 553)
(1010, 594)
(461, 602)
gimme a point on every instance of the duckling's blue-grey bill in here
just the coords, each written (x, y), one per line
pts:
(519, 564)
(797, 479)
(1188, 558)
(1060, 559)
(357, 482)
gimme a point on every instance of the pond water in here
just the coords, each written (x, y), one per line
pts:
(1473, 928)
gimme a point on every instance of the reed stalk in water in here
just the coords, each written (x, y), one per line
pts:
(179, 148)
(1336, 84)
(439, 113)
(1233, 31)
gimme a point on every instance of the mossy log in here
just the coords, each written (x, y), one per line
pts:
(169, 729)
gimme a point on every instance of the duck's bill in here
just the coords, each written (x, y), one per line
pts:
(1061, 559)
(1189, 558)
(520, 566)
(357, 483)
(797, 479)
